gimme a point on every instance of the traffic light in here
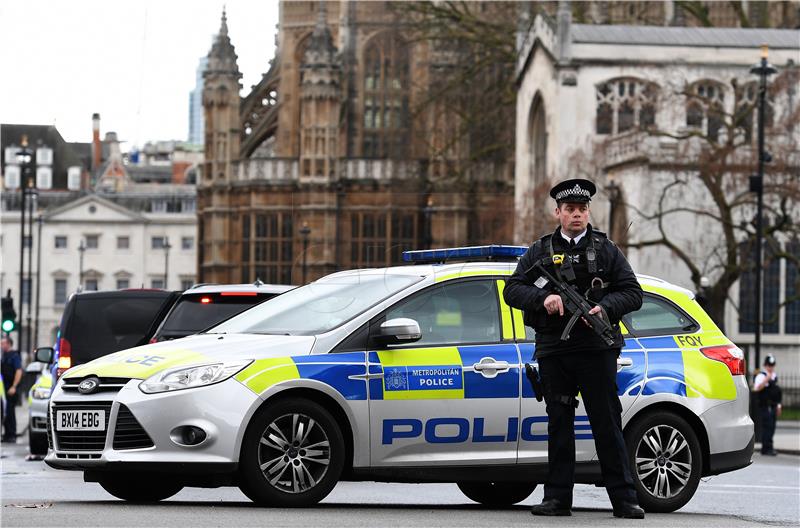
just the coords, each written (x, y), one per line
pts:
(9, 314)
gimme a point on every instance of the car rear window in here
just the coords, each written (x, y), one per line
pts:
(192, 314)
(102, 325)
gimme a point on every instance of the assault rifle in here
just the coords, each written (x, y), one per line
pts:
(575, 303)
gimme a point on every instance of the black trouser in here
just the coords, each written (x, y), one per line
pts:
(10, 417)
(767, 428)
(594, 376)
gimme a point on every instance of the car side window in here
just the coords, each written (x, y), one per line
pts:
(463, 312)
(658, 316)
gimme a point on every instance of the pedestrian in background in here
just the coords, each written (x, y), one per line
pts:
(12, 374)
(769, 403)
(583, 362)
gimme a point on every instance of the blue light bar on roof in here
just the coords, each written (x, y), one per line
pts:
(493, 252)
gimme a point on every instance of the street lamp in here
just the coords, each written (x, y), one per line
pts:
(24, 159)
(427, 213)
(167, 247)
(763, 69)
(81, 249)
(613, 197)
(304, 232)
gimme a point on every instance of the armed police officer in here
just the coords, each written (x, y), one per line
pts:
(580, 359)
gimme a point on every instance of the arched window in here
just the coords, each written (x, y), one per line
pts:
(625, 104)
(746, 115)
(705, 107)
(386, 89)
(538, 141)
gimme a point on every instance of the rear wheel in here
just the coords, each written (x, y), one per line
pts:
(665, 459)
(134, 487)
(292, 454)
(497, 494)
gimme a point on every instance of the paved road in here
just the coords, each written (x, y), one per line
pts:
(766, 493)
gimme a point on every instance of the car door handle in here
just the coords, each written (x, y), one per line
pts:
(624, 362)
(489, 368)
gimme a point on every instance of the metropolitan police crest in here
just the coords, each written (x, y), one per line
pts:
(396, 379)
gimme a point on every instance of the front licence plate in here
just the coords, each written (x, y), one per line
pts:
(83, 420)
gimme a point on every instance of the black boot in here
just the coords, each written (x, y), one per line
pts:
(551, 508)
(628, 510)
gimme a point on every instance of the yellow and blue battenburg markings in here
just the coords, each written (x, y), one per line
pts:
(344, 372)
(675, 365)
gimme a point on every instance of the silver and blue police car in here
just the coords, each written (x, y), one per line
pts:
(411, 374)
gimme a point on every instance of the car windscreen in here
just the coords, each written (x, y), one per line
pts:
(318, 307)
(102, 325)
(193, 313)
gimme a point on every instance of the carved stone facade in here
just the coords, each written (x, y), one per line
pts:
(328, 139)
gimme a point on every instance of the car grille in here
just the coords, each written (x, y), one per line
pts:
(106, 384)
(80, 440)
(128, 433)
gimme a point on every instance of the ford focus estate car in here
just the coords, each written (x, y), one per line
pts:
(410, 373)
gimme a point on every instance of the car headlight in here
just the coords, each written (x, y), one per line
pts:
(41, 393)
(190, 377)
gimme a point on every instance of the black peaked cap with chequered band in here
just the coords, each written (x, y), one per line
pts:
(576, 190)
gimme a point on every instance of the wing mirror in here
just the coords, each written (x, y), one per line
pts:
(401, 330)
(45, 355)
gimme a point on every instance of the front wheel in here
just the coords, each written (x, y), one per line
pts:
(37, 443)
(139, 487)
(497, 494)
(292, 454)
(665, 459)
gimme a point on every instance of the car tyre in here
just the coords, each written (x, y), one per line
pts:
(665, 460)
(37, 443)
(139, 488)
(293, 453)
(497, 494)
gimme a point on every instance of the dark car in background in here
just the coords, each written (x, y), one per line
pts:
(207, 305)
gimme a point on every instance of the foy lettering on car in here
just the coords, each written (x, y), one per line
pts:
(458, 430)
(423, 378)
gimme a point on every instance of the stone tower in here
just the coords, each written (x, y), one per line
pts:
(221, 103)
(320, 102)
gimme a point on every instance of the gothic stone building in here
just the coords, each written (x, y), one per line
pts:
(589, 94)
(326, 153)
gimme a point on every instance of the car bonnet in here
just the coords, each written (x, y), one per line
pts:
(144, 361)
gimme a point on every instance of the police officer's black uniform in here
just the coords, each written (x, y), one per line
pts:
(583, 363)
(769, 398)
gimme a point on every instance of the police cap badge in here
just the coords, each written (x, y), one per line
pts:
(576, 190)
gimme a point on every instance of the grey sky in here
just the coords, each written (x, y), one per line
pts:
(133, 62)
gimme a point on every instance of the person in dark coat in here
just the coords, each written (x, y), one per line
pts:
(583, 362)
(12, 374)
(769, 403)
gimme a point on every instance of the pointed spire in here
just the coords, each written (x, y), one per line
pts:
(223, 28)
(222, 56)
(321, 39)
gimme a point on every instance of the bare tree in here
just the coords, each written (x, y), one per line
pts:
(704, 178)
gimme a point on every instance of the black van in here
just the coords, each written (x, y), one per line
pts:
(95, 324)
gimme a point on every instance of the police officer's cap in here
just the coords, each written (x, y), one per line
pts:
(769, 360)
(576, 190)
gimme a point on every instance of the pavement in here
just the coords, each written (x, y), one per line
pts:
(786, 439)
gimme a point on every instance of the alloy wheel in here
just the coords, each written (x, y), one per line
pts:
(663, 461)
(294, 453)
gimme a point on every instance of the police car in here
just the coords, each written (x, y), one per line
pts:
(410, 374)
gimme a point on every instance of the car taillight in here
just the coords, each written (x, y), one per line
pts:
(731, 355)
(238, 294)
(64, 357)
(205, 300)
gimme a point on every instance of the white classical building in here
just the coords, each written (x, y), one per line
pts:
(124, 247)
(587, 96)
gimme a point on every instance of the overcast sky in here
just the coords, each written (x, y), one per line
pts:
(132, 62)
